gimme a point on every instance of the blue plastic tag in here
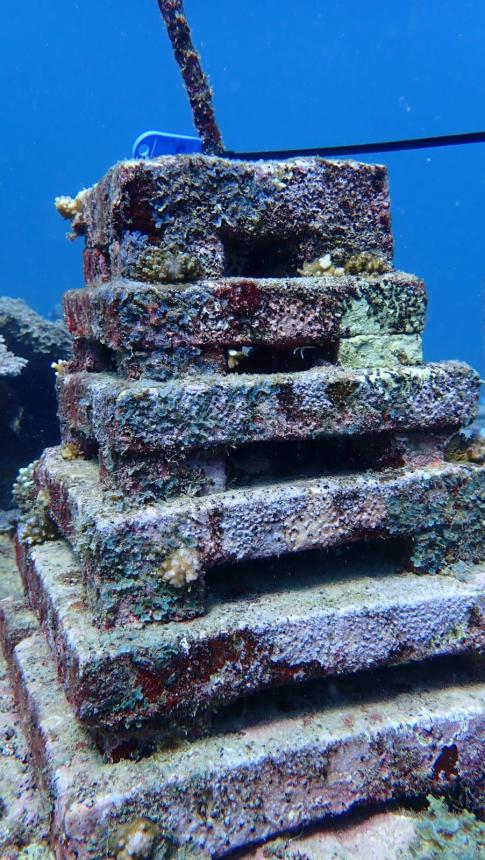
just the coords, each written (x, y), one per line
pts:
(152, 144)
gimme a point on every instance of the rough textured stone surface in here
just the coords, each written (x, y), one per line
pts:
(29, 334)
(135, 479)
(256, 461)
(330, 617)
(383, 836)
(126, 553)
(183, 217)
(235, 312)
(24, 812)
(296, 757)
(380, 350)
(28, 419)
(10, 364)
(145, 416)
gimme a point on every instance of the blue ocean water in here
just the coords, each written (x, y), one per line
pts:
(80, 80)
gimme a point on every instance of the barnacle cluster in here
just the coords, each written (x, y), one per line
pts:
(181, 567)
(34, 507)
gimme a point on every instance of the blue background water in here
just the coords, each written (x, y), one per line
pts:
(80, 80)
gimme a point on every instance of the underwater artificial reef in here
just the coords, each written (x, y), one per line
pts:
(246, 591)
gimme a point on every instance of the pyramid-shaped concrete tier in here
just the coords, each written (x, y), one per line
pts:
(254, 565)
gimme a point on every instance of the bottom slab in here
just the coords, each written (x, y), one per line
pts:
(276, 763)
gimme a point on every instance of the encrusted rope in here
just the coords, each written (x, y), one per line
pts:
(196, 82)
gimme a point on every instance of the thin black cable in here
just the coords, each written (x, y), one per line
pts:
(362, 148)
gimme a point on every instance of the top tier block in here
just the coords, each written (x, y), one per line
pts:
(182, 218)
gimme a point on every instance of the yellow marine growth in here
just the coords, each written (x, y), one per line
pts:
(181, 567)
(38, 526)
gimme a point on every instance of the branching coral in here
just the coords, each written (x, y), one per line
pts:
(34, 507)
(71, 208)
(181, 567)
(364, 263)
(320, 267)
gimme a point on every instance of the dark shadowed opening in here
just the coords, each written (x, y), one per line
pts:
(266, 258)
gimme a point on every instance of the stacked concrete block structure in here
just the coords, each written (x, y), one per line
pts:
(253, 567)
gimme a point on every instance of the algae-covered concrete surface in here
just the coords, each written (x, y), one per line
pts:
(279, 312)
(384, 836)
(253, 570)
(147, 416)
(288, 760)
(91, 797)
(124, 553)
(24, 812)
(185, 217)
(330, 619)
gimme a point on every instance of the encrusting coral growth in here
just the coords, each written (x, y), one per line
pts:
(464, 448)
(358, 264)
(445, 835)
(366, 264)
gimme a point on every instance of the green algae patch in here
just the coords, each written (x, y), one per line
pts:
(445, 835)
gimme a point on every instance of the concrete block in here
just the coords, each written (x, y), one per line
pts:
(128, 316)
(180, 218)
(380, 350)
(331, 617)
(146, 416)
(169, 363)
(293, 758)
(148, 563)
